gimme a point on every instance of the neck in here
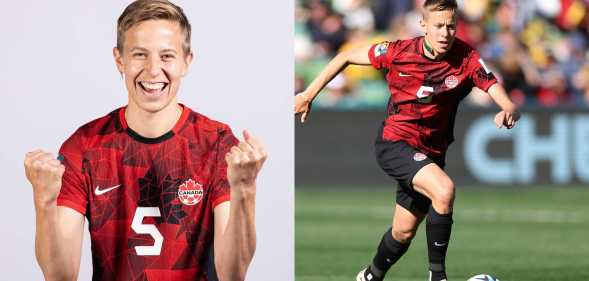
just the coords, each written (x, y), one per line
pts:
(429, 51)
(152, 124)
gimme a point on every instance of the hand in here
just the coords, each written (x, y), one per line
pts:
(244, 162)
(506, 119)
(44, 172)
(302, 106)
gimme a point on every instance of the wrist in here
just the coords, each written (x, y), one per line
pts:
(307, 96)
(243, 191)
(44, 203)
(511, 108)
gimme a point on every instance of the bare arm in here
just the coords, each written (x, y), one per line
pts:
(303, 100)
(235, 228)
(235, 242)
(58, 242)
(59, 230)
(509, 113)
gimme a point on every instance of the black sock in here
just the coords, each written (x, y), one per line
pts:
(389, 251)
(438, 229)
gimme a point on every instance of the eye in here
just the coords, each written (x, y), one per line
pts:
(167, 57)
(139, 55)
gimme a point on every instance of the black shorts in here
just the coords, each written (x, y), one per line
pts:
(401, 162)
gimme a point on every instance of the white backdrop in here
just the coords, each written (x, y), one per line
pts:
(57, 73)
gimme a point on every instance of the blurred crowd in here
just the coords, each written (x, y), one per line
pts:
(536, 48)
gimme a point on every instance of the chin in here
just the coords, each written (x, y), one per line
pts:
(443, 50)
(152, 106)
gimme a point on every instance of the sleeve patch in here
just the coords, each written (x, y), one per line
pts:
(381, 49)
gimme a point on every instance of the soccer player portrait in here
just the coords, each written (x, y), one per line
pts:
(168, 193)
(427, 78)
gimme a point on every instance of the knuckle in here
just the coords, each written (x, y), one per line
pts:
(37, 165)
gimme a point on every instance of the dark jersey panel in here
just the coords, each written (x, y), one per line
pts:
(425, 93)
(149, 201)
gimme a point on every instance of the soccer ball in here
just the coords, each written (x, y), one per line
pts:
(483, 277)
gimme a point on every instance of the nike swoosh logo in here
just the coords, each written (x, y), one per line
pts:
(440, 244)
(99, 191)
(403, 74)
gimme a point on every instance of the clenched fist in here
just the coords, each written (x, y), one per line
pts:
(44, 172)
(506, 119)
(244, 162)
(303, 106)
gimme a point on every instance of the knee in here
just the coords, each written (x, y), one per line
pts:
(444, 194)
(403, 235)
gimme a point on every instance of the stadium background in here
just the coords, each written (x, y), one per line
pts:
(517, 189)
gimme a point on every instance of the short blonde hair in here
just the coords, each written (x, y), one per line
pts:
(440, 5)
(144, 10)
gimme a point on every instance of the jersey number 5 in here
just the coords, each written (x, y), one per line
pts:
(150, 229)
(425, 94)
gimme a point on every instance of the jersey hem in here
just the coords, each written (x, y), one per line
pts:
(70, 204)
(220, 200)
(489, 87)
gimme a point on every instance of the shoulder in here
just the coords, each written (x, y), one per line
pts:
(203, 123)
(409, 44)
(462, 49)
(207, 130)
(406, 45)
(384, 53)
(93, 131)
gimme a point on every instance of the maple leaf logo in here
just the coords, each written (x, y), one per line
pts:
(190, 192)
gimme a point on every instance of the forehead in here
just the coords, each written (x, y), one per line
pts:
(440, 17)
(154, 33)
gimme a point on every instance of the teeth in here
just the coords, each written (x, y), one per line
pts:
(153, 86)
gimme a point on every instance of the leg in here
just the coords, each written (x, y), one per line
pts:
(421, 181)
(434, 183)
(395, 241)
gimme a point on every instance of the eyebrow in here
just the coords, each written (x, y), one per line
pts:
(145, 50)
(138, 49)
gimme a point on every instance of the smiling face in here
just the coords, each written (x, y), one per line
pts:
(440, 29)
(153, 63)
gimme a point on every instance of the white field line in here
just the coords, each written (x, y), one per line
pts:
(300, 277)
(491, 215)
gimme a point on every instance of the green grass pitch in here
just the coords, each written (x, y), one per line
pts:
(526, 234)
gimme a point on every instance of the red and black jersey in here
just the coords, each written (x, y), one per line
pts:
(425, 93)
(149, 201)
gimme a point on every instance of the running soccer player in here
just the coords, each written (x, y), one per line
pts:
(427, 77)
(168, 193)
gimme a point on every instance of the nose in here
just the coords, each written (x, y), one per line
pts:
(154, 66)
(445, 32)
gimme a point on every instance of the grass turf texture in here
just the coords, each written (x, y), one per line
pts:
(530, 234)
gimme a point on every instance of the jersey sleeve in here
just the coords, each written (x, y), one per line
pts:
(381, 55)
(480, 74)
(74, 190)
(220, 186)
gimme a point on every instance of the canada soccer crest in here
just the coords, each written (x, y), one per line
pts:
(190, 192)
(451, 81)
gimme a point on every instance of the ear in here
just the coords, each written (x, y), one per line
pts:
(187, 61)
(118, 59)
(422, 24)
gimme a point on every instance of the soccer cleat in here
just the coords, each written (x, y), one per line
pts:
(366, 275)
(437, 276)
